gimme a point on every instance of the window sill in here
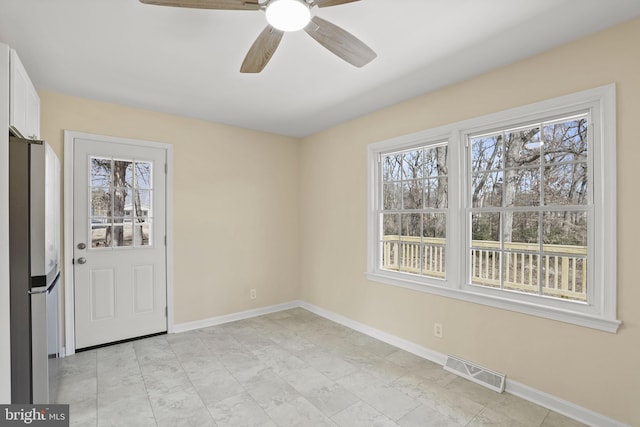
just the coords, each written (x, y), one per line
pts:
(437, 288)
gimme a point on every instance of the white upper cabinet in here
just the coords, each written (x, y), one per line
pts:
(24, 110)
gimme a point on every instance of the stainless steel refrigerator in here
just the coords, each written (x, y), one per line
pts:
(34, 242)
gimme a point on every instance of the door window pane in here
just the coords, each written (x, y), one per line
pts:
(123, 173)
(100, 202)
(121, 198)
(142, 232)
(142, 204)
(120, 202)
(100, 172)
(122, 233)
(98, 232)
(143, 175)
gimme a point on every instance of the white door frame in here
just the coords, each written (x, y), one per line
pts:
(69, 144)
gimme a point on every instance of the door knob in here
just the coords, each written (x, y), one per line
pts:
(81, 246)
(82, 260)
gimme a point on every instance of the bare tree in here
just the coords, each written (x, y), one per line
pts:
(524, 167)
(514, 147)
(115, 182)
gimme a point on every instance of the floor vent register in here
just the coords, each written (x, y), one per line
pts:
(483, 376)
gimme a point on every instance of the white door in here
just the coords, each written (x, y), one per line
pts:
(119, 241)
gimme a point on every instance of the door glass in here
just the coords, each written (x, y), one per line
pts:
(99, 227)
(123, 173)
(121, 202)
(122, 233)
(100, 172)
(143, 175)
(100, 201)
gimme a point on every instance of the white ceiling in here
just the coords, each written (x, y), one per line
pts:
(187, 61)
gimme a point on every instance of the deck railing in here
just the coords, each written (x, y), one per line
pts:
(562, 268)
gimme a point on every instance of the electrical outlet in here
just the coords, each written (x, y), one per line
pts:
(252, 294)
(437, 330)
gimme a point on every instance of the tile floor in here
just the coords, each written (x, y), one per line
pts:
(291, 368)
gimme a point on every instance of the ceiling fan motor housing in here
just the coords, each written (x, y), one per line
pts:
(288, 15)
(283, 16)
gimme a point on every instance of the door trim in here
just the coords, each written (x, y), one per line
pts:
(69, 303)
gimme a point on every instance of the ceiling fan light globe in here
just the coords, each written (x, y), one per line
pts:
(288, 15)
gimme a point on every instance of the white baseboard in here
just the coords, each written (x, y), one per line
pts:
(538, 397)
(395, 341)
(561, 406)
(523, 391)
(219, 320)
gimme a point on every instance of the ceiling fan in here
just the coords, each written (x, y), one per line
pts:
(283, 16)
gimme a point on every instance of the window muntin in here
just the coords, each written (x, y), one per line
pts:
(413, 211)
(529, 208)
(120, 202)
(589, 204)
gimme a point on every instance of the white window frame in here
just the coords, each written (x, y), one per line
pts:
(601, 309)
(419, 144)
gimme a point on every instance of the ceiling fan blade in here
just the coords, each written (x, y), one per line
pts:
(327, 3)
(261, 50)
(208, 4)
(340, 42)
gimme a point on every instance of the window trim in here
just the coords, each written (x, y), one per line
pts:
(431, 144)
(600, 313)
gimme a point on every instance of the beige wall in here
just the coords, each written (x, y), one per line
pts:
(289, 218)
(235, 202)
(593, 369)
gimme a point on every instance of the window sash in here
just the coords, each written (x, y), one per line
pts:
(407, 254)
(600, 311)
(517, 270)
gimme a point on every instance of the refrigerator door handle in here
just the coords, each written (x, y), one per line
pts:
(44, 289)
(26, 140)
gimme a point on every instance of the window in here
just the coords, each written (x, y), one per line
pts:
(529, 208)
(514, 210)
(413, 211)
(120, 203)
